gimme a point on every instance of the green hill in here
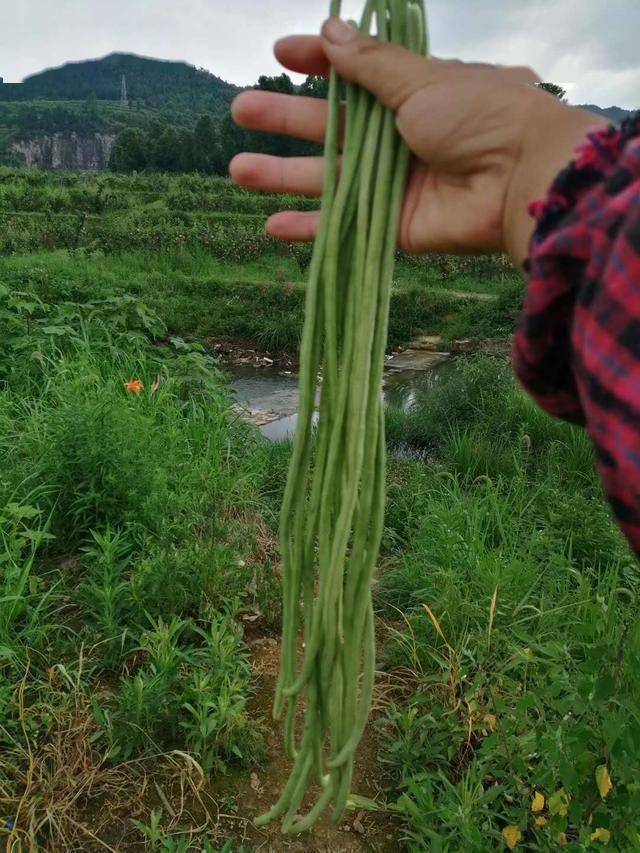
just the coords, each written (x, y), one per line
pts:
(175, 118)
(84, 99)
(174, 87)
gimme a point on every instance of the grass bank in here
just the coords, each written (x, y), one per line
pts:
(199, 296)
(131, 541)
(513, 601)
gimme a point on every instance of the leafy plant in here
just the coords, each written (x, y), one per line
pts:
(185, 692)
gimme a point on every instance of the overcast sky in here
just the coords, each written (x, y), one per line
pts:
(591, 47)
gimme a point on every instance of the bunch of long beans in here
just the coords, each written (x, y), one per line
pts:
(333, 507)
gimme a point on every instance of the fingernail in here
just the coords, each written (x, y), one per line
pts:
(338, 31)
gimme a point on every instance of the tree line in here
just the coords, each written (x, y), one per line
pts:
(209, 145)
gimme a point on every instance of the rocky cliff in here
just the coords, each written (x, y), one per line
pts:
(67, 152)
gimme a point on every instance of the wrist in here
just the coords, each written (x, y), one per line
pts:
(557, 130)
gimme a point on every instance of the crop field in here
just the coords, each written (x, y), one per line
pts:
(139, 562)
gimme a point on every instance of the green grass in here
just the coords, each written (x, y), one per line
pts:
(195, 249)
(128, 542)
(260, 299)
(488, 276)
(524, 669)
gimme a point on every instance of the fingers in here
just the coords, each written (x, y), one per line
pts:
(293, 175)
(393, 73)
(294, 226)
(389, 71)
(292, 115)
(306, 54)
(303, 54)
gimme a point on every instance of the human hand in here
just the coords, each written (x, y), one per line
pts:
(485, 140)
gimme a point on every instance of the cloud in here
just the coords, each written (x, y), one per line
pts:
(588, 46)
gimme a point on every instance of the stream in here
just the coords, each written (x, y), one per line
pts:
(268, 396)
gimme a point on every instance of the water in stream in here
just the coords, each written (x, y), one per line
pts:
(269, 397)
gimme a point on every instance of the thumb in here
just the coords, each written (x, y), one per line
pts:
(390, 72)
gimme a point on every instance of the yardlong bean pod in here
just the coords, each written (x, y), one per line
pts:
(333, 507)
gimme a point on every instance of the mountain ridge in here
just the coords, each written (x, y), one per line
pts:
(151, 82)
(615, 114)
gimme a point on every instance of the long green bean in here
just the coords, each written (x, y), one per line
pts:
(333, 507)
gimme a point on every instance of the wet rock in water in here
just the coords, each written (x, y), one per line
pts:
(235, 352)
(415, 359)
(268, 397)
(258, 418)
(500, 347)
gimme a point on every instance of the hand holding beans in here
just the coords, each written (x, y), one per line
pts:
(485, 140)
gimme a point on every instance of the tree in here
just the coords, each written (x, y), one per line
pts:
(130, 152)
(165, 153)
(206, 146)
(186, 152)
(315, 87)
(211, 144)
(234, 139)
(282, 83)
(92, 106)
(553, 89)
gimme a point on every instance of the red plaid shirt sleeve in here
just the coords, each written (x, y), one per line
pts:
(577, 347)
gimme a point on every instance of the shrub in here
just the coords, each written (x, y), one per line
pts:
(160, 708)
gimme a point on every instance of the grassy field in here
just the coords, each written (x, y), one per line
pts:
(139, 570)
(194, 249)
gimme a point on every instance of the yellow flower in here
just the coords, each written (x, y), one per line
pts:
(603, 780)
(511, 835)
(601, 834)
(537, 804)
(562, 839)
(134, 387)
(541, 821)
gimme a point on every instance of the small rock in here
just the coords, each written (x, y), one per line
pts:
(426, 342)
(465, 345)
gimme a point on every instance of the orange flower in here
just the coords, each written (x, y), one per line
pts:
(134, 387)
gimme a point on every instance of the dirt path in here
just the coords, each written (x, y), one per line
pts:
(222, 807)
(256, 791)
